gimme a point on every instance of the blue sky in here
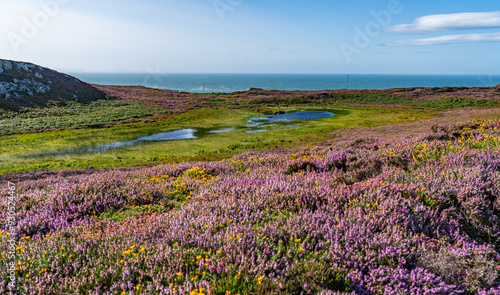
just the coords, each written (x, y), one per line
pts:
(243, 36)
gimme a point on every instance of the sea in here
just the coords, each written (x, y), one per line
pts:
(226, 83)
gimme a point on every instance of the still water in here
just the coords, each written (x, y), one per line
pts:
(192, 134)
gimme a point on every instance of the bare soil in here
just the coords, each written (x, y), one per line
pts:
(402, 130)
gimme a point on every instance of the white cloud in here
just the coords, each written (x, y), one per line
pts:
(449, 39)
(447, 22)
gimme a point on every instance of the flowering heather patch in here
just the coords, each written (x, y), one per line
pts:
(259, 99)
(419, 216)
(171, 100)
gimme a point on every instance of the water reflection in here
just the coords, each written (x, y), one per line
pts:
(189, 133)
(286, 117)
(256, 131)
(165, 136)
(225, 130)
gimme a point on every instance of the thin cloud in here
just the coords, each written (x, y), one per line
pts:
(449, 39)
(449, 22)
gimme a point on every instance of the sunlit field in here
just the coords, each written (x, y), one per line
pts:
(412, 216)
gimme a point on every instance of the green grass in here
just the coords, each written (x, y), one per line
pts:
(454, 102)
(336, 98)
(340, 98)
(30, 151)
(73, 114)
(119, 214)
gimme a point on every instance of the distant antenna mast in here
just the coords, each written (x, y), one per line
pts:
(347, 82)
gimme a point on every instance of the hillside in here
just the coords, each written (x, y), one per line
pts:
(413, 216)
(28, 85)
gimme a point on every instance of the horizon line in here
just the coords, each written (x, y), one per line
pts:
(239, 73)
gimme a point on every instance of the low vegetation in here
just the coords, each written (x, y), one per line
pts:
(292, 210)
(65, 115)
(59, 149)
(43, 137)
(366, 216)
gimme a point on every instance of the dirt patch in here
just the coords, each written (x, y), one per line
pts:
(402, 130)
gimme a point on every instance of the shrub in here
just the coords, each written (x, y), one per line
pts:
(453, 267)
(301, 165)
(336, 161)
(314, 276)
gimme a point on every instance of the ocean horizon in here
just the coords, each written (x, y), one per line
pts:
(225, 83)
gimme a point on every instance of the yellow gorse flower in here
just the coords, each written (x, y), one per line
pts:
(259, 280)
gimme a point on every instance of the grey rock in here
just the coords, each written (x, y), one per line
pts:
(22, 66)
(3, 90)
(6, 65)
(25, 80)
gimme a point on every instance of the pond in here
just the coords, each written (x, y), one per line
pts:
(184, 134)
(164, 136)
(287, 117)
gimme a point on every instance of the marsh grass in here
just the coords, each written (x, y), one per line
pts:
(21, 152)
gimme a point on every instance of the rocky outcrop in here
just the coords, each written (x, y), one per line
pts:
(28, 85)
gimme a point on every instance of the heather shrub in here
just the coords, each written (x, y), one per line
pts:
(453, 267)
(312, 277)
(414, 216)
(398, 161)
(362, 166)
(301, 166)
(336, 161)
